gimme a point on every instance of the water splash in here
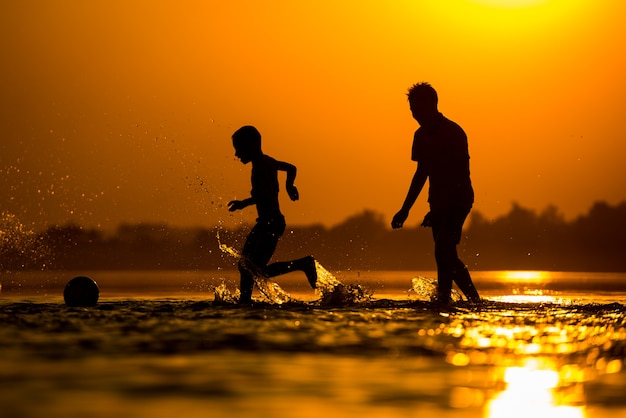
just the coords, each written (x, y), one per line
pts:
(225, 296)
(333, 292)
(425, 288)
(228, 250)
(326, 281)
(268, 288)
(20, 247)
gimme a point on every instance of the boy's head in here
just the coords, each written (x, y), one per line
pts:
(247, 143)
(423, 101)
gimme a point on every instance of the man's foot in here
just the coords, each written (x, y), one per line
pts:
(244, 302)
(309, 268)
(475, 300)
(441, 300)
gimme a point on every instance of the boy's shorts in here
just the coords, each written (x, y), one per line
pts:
(263, 239)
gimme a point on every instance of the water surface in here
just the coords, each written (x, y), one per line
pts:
(167, 343)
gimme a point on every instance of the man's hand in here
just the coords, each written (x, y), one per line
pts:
(428, 221)
(399, 218)
(292, 192)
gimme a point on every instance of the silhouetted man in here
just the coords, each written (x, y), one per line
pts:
(441, 151)
(270, 224)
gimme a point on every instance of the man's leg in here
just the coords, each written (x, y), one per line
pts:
(463, 279)
(447, 230)
(445, 273)
(451, 229)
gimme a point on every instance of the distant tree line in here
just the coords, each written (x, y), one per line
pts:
(521, 239)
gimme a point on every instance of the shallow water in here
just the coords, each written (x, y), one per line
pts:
(161, 343)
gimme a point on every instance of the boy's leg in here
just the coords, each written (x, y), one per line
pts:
(246, 284)
(258, 250)
(246, 280)
(305, 264)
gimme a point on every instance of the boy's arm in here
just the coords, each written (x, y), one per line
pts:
(291, 170)
(234, 205)
(417, 183)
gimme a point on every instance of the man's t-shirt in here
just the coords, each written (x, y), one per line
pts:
(442, 150)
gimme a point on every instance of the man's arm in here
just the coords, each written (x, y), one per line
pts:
(417, 183)
(291, 178)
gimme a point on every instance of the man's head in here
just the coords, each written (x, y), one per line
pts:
(247, 143)
(423, 101)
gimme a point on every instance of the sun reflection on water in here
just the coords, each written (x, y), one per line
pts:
(536, 389)
(540, 351)
(527, 286)
(525, 275)
(528, 297)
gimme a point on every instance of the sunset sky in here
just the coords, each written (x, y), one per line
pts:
(122, 111)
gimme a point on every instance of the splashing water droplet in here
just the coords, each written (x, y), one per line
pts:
(225, 296)
(270, 289)
(425, 288)
(333, 292)
(20, 246)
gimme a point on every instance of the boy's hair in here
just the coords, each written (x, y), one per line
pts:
(248, 135)
(423, 93)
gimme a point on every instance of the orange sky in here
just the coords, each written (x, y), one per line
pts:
(122, 111)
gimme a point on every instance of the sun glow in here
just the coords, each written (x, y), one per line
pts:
(510, 4)
(519, 275)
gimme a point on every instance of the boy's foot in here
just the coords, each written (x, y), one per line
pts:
(308, 266)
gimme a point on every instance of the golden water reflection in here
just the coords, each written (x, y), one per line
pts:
(537, 389)
(526, 275)
(528, 286)
(541, 353)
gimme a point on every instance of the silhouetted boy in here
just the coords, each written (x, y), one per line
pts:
(270, 224)
(441, 151)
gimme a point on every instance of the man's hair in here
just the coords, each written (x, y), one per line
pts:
(422, 93)
(248, 135)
